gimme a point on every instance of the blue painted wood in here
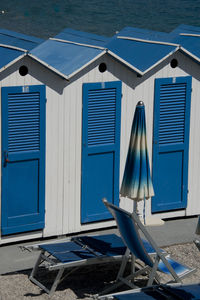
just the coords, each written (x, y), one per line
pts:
(77, 36)
(100, 149)
(23, 159)
(67, 58)
(171, 143)
(16, 39)
(8, 56)
(140, 55)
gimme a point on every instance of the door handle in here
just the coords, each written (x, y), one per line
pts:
(6, 160)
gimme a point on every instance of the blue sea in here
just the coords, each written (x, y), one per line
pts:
(46, 18)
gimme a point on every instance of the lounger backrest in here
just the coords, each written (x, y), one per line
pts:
(129, 232)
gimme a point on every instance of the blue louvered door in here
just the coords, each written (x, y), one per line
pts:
(23, 159)
(171, 143)
(100, 148)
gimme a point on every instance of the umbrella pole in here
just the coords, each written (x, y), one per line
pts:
(144, 211)
(135, 207)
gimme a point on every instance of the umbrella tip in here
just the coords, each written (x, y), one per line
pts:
(140, 103)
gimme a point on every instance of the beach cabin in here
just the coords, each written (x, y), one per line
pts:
(168, 83)
(13, 48)
(47, 167)
(67, 109)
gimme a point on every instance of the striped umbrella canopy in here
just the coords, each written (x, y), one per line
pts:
(137, 183)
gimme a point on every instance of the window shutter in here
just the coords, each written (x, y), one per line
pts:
(172, 113)
(23, 122)
(101, 117)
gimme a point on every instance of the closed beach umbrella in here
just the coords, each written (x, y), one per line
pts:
(137, 183)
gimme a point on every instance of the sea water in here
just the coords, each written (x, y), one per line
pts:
(46, 18)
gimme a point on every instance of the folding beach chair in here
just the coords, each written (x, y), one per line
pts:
(130, 228)
(78, 252)
(75, 253)
(167, 292)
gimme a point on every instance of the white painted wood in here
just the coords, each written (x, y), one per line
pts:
(21, 237)
(64, 135)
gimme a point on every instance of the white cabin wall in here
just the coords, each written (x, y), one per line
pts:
(72, 158)
(54, 147)
(193, 207)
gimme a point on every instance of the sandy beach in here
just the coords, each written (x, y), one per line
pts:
(88, 281)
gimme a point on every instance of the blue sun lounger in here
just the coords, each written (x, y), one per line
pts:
(87, 250)
(75, 253)
(78, 252)
(130, 228)
(165, 292)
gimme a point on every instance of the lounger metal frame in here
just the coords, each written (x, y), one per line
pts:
(130, 222)
(55, 265)
(52, 264)
(149, 252)
(164, 291)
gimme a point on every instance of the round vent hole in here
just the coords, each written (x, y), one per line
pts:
(102, 67)
(23, 70)
(174, 63)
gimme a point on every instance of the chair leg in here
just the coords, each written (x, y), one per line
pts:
(118, 281)
(43, 287)
(123, 264)
(153, 272)
(56, 281)
(133, 264)
(54, 285)
(35, 268)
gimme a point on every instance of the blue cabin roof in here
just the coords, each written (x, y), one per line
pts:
(76, 36)
(19, 40)
(63, 57)
(144, 34)
(140, 56)
(8, 55)
(186, 29)
(143, 49)
(140, 48)
(70, 51)
(188, 37)
(13, 45)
